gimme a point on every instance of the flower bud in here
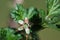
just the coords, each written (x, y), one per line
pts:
(26, 20)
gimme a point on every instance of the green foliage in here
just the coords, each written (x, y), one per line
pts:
(31, 11)
(2, 34)
(19, 13)
(53, 15)
(42, 15)
(51, 19)
(53, 7)
(8, 34)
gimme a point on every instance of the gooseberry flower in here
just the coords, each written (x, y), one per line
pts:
(20, 28)
(27, 30)
(21, 22)
(26, 20)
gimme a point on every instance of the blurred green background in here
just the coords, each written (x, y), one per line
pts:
(45, 34)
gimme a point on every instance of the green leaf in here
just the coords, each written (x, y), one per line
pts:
(53, 14)
(54, 9)
(8, 34)
(42, 15)
(31, 12)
